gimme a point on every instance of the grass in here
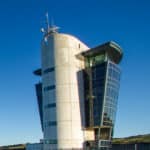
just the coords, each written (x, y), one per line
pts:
(133, 139)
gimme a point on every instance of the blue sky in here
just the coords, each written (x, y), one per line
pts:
(93, 22)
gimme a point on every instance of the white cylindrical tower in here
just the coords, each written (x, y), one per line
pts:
(62, 96)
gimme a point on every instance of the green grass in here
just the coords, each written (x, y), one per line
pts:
(133, 139)
(128, 140)
(13, 147)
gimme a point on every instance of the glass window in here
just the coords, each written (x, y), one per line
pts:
(50, 105)
(111, 93)
(48, 70)
(51, 87)
(51, 141)
(94, 60)
(52, 123)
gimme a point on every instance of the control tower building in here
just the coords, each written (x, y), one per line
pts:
(78, 92)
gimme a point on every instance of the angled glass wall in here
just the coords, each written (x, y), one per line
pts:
(40, 101)
(101, 87)
(111, 96)
(94, 83)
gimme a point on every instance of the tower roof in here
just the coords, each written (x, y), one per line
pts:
(113, 50)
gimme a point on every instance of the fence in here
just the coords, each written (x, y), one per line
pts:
(138, 146)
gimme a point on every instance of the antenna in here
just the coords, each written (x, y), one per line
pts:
(50, 28)
(47, 21)
(53, 28)
(52, 22)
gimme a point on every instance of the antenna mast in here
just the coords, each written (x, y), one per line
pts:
(49, 28)
(47, 22)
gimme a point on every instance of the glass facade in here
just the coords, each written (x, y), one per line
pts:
(52, 105)
(98, 84)
(105, 78)
(50, 87)
(101, 87)
(48, 70)
(111, 94)
(98, 74)
(40, 101)
(94, 60)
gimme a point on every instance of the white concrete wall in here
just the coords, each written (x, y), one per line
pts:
(70, 134)
(60, 52)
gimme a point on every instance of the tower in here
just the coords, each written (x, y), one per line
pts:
(78, 92)
(101, 77)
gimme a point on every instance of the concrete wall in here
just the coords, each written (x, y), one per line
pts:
(60, 51)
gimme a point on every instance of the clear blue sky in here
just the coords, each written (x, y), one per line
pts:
(94, 22)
